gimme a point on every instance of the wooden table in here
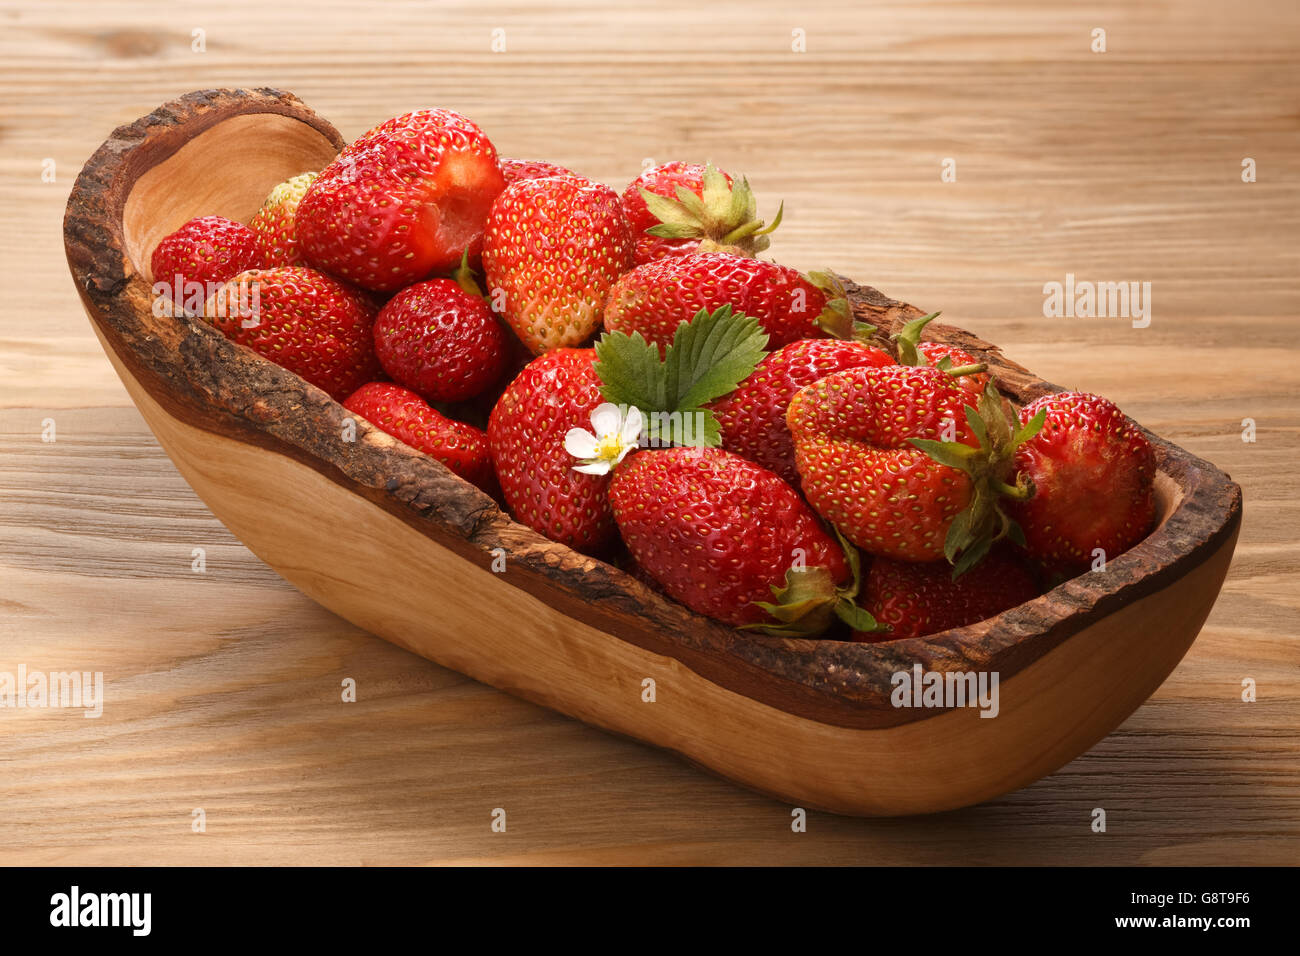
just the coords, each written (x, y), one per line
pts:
(223, 687)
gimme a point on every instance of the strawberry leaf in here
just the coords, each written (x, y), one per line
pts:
(628, 366)
(709, 356)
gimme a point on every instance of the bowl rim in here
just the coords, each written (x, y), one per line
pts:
(199, 376)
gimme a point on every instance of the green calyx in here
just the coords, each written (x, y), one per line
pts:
(837, 319)
(810, 602)
(909, 337)
(464, 275)
(709, 356)
(984, 523)
(724, 216)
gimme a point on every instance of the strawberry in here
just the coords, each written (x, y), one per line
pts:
(681, 208)
(655, 298)
(753, 416)
(516, 169)
(274, 224)
(526, 431)
(893, 457)
(439, 340)
(209, 249)
(914, 600)
(912, 351)
(551, 251)
(1093, 472)
(304, 320)
(724, 536)
(409, 418)
(935, 353)
(406, 199)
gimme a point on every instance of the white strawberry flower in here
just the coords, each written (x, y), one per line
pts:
(613, 435)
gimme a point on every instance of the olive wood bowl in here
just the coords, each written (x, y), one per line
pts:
(391, 540)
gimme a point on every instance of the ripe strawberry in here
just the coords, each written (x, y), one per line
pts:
(655, 298)
(936, 352)
(406, 199)
(517, 169)
(304, 320)
(441, 341)
(723, 535)
(891, 457)
(919, 599)
(407, 417)
(553, 248)
(274, 224)
(526, 431)
(681, 208)
(207, 249)
(912, 351)
(1093, 470)
(753, 416)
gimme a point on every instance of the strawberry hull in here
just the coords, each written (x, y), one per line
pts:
(420, 557)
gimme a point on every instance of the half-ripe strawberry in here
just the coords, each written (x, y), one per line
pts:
(723, 535)
(275, 223)
(552, 250)
(914, 600)
(516, 169)
(655, 298)
(409, 418)
(554, 394)
(681, 208)
(441, 341)
(1093, 472)
(304, 320)
(406, 199)
(753, 416)
(209, 249)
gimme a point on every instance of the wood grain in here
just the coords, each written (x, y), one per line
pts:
(1060, 168)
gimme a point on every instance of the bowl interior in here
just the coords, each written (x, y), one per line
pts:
(227, 170)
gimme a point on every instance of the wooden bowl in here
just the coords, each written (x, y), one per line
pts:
(391, 540)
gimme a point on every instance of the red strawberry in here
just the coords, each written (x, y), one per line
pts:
(681, 208)
(1093, 472)
(753, 416)
(406, 199)
(936, 352)
(526, 431)
(914, 600)
(436, 338)
(552, 250)
(866, 443)
(304, 320)
(517, 169)
(409, 418)
(274, 224)
(209, 249)
(655, 298)
(719, 533)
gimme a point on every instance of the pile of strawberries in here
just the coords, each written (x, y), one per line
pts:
(656, 395)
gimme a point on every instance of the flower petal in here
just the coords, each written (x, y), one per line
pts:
(600, 467)
(606, 419)
(580, 443)
(630, 435)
